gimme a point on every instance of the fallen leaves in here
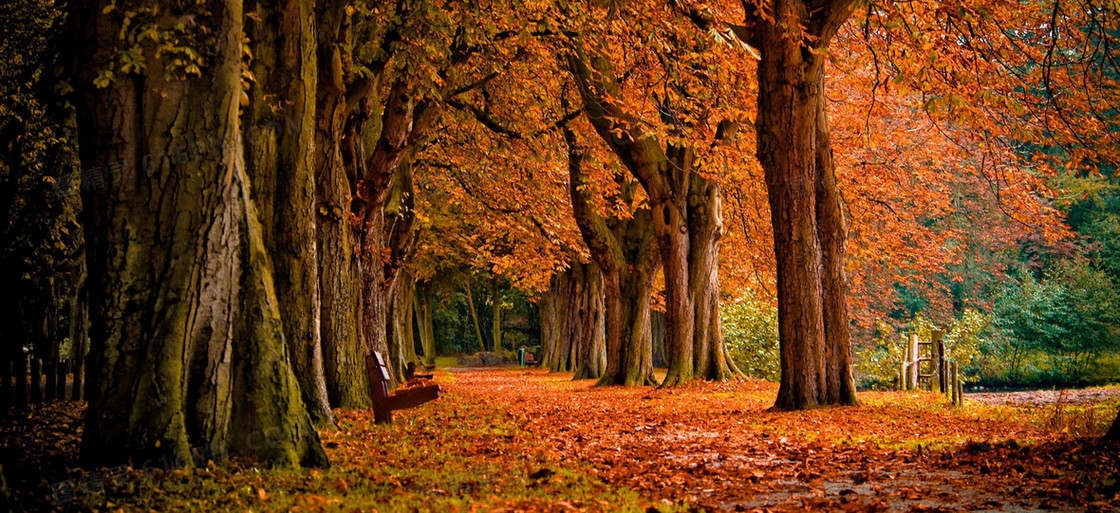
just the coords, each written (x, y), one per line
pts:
(535, 441)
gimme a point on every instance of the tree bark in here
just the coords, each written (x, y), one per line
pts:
(188, 354)
(402, 344)
(339, 282)
(573, 322)
(496, 317)
(793, 147)
(625, 252)
(382, 205)
(686, 220)
(280, 162)
(424, 299)
(592, 340)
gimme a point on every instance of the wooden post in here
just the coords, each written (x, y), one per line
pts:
(942, 377)
(36, 380)
(960, 385)
(912, 382)
(902, 375)
(955, 385)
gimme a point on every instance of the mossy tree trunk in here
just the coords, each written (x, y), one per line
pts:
(280, 162)
(188, 355)
(339, 284)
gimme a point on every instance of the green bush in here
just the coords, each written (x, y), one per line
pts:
(750, 330)
(1058, 329)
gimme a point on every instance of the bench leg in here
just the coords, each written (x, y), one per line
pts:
(382, 415)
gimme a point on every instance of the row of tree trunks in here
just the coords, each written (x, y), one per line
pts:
(188, 354)
(796, 155)
(625, 252)
(686, 219)
(34, 381)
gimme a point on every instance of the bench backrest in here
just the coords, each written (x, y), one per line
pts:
(378, 376)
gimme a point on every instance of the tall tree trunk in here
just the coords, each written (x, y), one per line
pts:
(496, 317)
(564, 292)
(474, 317)
(625, 252)
(280, 162)
(840, 385)
(339, 284)
(793, 147)
(592, 342)
(424, 300)
(711, 358)
(187, 342)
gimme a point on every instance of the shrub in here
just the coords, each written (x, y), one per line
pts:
(750, 330)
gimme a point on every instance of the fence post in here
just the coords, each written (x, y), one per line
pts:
(912, 383)
(942, 376)
(955, 384)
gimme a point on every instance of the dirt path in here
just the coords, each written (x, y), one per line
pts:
(715, 446)
(1040, 398)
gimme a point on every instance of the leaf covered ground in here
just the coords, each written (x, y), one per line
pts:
(529, 440)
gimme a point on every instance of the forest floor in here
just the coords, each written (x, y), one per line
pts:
(527, 440)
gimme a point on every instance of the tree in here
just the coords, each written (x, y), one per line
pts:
(188, 353)
(278, 135)
(669, 155)
(792, 38)
(625, 251)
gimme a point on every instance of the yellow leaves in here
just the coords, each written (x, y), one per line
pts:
(103, 79)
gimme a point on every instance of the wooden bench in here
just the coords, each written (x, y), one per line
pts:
(385, 403)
